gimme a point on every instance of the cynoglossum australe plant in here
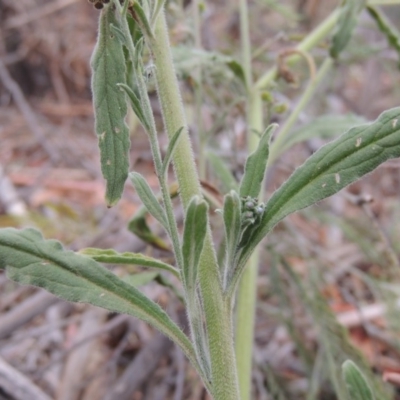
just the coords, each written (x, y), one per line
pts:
(125, 29)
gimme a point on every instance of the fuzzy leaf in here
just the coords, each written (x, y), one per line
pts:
(108, 65)
(193, 240)
(324, 127)
(387, 28)
(232, 221)
(142, 20)
(138, 226)
(31, 260)
(148, 198)
(170, 150)
(237, 70)
(140, 279)
(136, 105)
(111, 256)
(356, 383)
(330, 169)
(256, 164)
(158, 6)
(347, 21)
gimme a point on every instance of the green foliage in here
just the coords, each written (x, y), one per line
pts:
(142, 19)
(139, 227)
(356, 383)
(188, 59)
(170, 150)
(209, 288)
(111, 256)
(256, 164)
(324, 127)
(136, 105)
(232, 214)
(387, 28)
(31, 260)
(148, 198)
(196, 223)
(108, 65)
(347, 21)
(330, 169)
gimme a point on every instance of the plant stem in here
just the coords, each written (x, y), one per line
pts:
(279, 143)
(306, 44)
(247, 297)
(217, 309)
(198, 92)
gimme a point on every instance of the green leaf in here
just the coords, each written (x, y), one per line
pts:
(138, 226)
(256, 164)
(237, 70)
(108, 65)
(118, 33)
(148, 198)
(141, 18)
(232, 220)
(136, 105)
(31, 260)
(324, 127)
(330, 169)
(187, 60)
(170, 150)
(222, 172)
(194, 233)
(158, 6)
(356, 383)
(111, 256)
(140, 279)
(347, 21)
(386, 27)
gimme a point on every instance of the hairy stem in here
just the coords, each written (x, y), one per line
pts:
(216, 309)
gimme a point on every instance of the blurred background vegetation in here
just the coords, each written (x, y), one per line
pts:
(329, 280)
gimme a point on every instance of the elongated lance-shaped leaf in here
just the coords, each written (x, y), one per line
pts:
(256, 164)
(323, 127)
(347, 21)
(232, 221)
(141, 18)
(136, 105)
(108, 64)
(195, 230)
(139, 227)
(387, 28)
(356, 384)
(170, 150)
(148, 198)
(330, 169)
(140, 279)
(158, 6)
(118, 33)
(111, 256)
(31, 260)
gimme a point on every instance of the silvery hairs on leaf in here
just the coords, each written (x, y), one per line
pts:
(108, 65)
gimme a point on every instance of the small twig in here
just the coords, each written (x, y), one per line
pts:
(120, 319)
(11, 85)
(354, 318)
(24, 312)
(140, 368)
(18, 385)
